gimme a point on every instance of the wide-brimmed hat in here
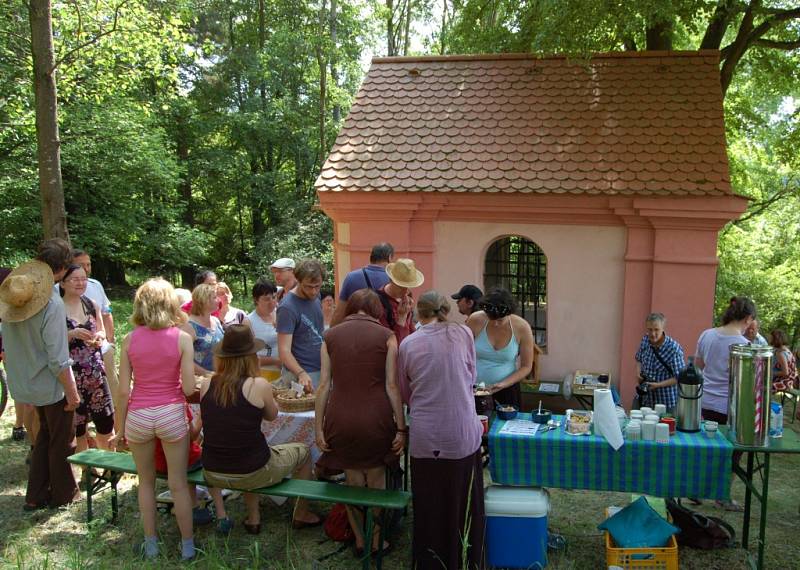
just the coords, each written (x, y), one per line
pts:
(25, 291)
(403, 273)
(283, 263)
(238, 341)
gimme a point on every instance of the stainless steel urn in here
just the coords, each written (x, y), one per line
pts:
(750, 377)
(690, 394)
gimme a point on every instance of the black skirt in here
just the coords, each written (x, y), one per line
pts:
(447, 496)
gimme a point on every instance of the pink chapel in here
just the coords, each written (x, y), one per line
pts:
(593, 189)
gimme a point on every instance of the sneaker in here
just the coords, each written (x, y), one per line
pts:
(224, 526)
(201, 516)
(18, 434)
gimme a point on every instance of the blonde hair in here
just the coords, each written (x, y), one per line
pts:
(204, 296)
(433, 304)
(223, 285)
(156, 305)
(229, 371)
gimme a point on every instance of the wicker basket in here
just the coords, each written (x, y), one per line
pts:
(290, 404)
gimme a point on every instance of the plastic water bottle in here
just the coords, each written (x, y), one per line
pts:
(775, 420)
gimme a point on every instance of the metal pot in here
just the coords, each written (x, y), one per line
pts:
(750, 377)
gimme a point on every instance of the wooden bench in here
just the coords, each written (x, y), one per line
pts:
(114, 465)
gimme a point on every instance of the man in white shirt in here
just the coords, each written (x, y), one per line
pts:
(96, 292)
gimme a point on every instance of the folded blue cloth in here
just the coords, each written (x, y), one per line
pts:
(639, 526)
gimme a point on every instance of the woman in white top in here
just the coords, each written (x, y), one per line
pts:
(713, 349)
(262, 322)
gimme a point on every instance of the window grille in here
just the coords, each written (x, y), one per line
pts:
(519, 265)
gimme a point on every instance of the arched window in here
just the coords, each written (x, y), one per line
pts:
(519, 265)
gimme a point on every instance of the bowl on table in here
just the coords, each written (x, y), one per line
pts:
(505, 412)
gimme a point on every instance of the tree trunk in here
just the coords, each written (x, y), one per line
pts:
(391, 48)
(718, 24)
(322, 64)
(54, 215)
(185, 186)
(659, 36)
(337, 108)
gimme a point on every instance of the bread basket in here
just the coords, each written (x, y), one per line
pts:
(289, 402)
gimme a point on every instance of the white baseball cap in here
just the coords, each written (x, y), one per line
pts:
(283, 263)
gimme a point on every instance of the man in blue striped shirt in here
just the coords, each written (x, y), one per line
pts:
(659, 360)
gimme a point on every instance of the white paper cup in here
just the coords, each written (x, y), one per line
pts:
(646, 410)
(711, 428)
(652, 418)
(661, 410)
(649, 430)
(633, 432)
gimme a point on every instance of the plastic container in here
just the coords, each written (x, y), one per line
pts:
(775, 420)
(516, 526)
(650, 558)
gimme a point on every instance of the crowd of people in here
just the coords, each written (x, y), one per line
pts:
(365, 355)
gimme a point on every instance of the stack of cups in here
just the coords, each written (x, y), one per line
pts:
(637, 415)
(662, 433)
(661, 410)
(711, 428)
(634, 430)
(649, 430)
(652, 418)
(645, 410)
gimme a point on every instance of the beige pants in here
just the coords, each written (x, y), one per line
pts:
(283, 461)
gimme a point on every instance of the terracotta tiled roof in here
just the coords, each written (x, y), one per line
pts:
(624, 123)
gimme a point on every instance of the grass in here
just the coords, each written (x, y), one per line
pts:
(62, 539)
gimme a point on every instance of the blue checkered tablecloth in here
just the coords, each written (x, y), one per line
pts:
(690, 465)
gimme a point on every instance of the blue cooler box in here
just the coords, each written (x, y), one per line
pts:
(516, 527)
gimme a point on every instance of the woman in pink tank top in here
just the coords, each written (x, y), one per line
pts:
(158, 356)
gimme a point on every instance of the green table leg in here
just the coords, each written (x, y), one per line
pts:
(748, 500)
(114, 500)
(762, 530)
(89, 477)
(365, 564)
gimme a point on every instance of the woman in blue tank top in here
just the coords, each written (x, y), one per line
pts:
(504, 346)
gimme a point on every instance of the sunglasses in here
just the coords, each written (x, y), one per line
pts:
(495, 311)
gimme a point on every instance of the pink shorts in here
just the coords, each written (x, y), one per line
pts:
(167, 423)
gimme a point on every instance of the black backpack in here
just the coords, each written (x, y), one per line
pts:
(698, 530)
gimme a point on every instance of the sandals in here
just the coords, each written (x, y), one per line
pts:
(730, 506)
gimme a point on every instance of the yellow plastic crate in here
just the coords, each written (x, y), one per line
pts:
(665, 558)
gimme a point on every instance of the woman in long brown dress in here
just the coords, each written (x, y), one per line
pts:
(360, 427)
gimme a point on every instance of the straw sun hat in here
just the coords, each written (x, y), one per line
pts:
(403, 273)
(25, 291)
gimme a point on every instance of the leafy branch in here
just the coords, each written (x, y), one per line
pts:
(94, 39)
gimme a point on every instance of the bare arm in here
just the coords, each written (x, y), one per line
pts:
(322, 397)
(290, 362)
(187, 363)
(476, 321)
(108, 323)
(338, 313)
(270, 406)
(123, 390)
(526, 349)
(393, 392)
(100, 333)
(782, 366)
